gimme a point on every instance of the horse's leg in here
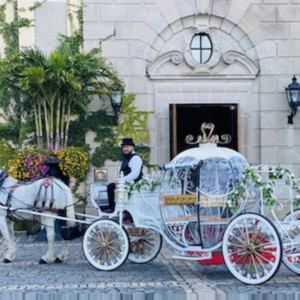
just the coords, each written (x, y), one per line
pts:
(63, 255)
(50, 232)
(6, 228)
(10, 225)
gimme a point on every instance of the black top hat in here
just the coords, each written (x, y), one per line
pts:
(128, 142)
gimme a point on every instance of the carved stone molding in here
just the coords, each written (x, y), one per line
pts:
(231, 57)
(179, 64)
(172, 56)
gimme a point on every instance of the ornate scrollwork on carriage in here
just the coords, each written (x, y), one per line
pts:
(208, 136)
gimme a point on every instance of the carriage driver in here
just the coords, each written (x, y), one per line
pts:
(132, 166)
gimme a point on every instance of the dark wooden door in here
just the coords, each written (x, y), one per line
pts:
(186, 119)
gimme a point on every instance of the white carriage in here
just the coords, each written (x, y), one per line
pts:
(206, 209)
(208, 204)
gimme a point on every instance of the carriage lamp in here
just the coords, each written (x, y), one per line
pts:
(116, 102)
(121, 196)
(121, 193)
(293, 97)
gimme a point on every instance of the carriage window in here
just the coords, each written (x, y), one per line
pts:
(216, 177)
(201, 48)
(238, 165)
(191, 182)
(171, 184)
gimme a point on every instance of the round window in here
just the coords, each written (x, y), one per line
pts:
(201, 48)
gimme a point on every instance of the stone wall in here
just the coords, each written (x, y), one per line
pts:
(258, 53)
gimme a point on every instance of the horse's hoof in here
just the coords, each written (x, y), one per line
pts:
(42, 262)
(6, 261)
(58, 261)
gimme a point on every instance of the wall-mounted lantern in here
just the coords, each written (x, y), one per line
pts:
(293, 97)
(116, 102)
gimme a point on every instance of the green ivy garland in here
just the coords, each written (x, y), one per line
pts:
(146, 183)
(266, 187)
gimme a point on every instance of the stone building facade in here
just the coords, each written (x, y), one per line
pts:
(255, 51)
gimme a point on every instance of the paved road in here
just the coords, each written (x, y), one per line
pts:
(164, 278)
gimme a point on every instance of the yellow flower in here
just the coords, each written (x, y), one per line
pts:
(29, 163)
(73, 162)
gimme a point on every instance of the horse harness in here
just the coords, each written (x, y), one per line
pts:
(41, 204)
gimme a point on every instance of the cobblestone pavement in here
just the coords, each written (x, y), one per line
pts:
(163, 278)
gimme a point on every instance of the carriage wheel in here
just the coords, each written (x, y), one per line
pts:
(145, 244)
(251, 248)
(106, 245)
(291, 244)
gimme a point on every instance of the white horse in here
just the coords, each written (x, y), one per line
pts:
(46, 195)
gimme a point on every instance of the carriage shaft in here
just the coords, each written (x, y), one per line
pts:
(44, 215)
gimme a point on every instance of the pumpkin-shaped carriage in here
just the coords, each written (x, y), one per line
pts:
(207, 209)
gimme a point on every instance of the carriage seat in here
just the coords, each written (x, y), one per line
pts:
(191, 199)
(188, 199)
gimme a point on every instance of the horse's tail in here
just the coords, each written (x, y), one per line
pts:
(70, 209)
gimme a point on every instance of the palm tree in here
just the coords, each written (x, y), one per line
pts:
(32, 81)
(35, 84)
(56, 86)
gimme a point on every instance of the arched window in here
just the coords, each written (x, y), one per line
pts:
(201, 48)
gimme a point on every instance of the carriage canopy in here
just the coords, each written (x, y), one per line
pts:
(215, 170)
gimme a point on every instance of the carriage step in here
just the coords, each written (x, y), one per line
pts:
(194, 255)
(135, 231)
(204, 219)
